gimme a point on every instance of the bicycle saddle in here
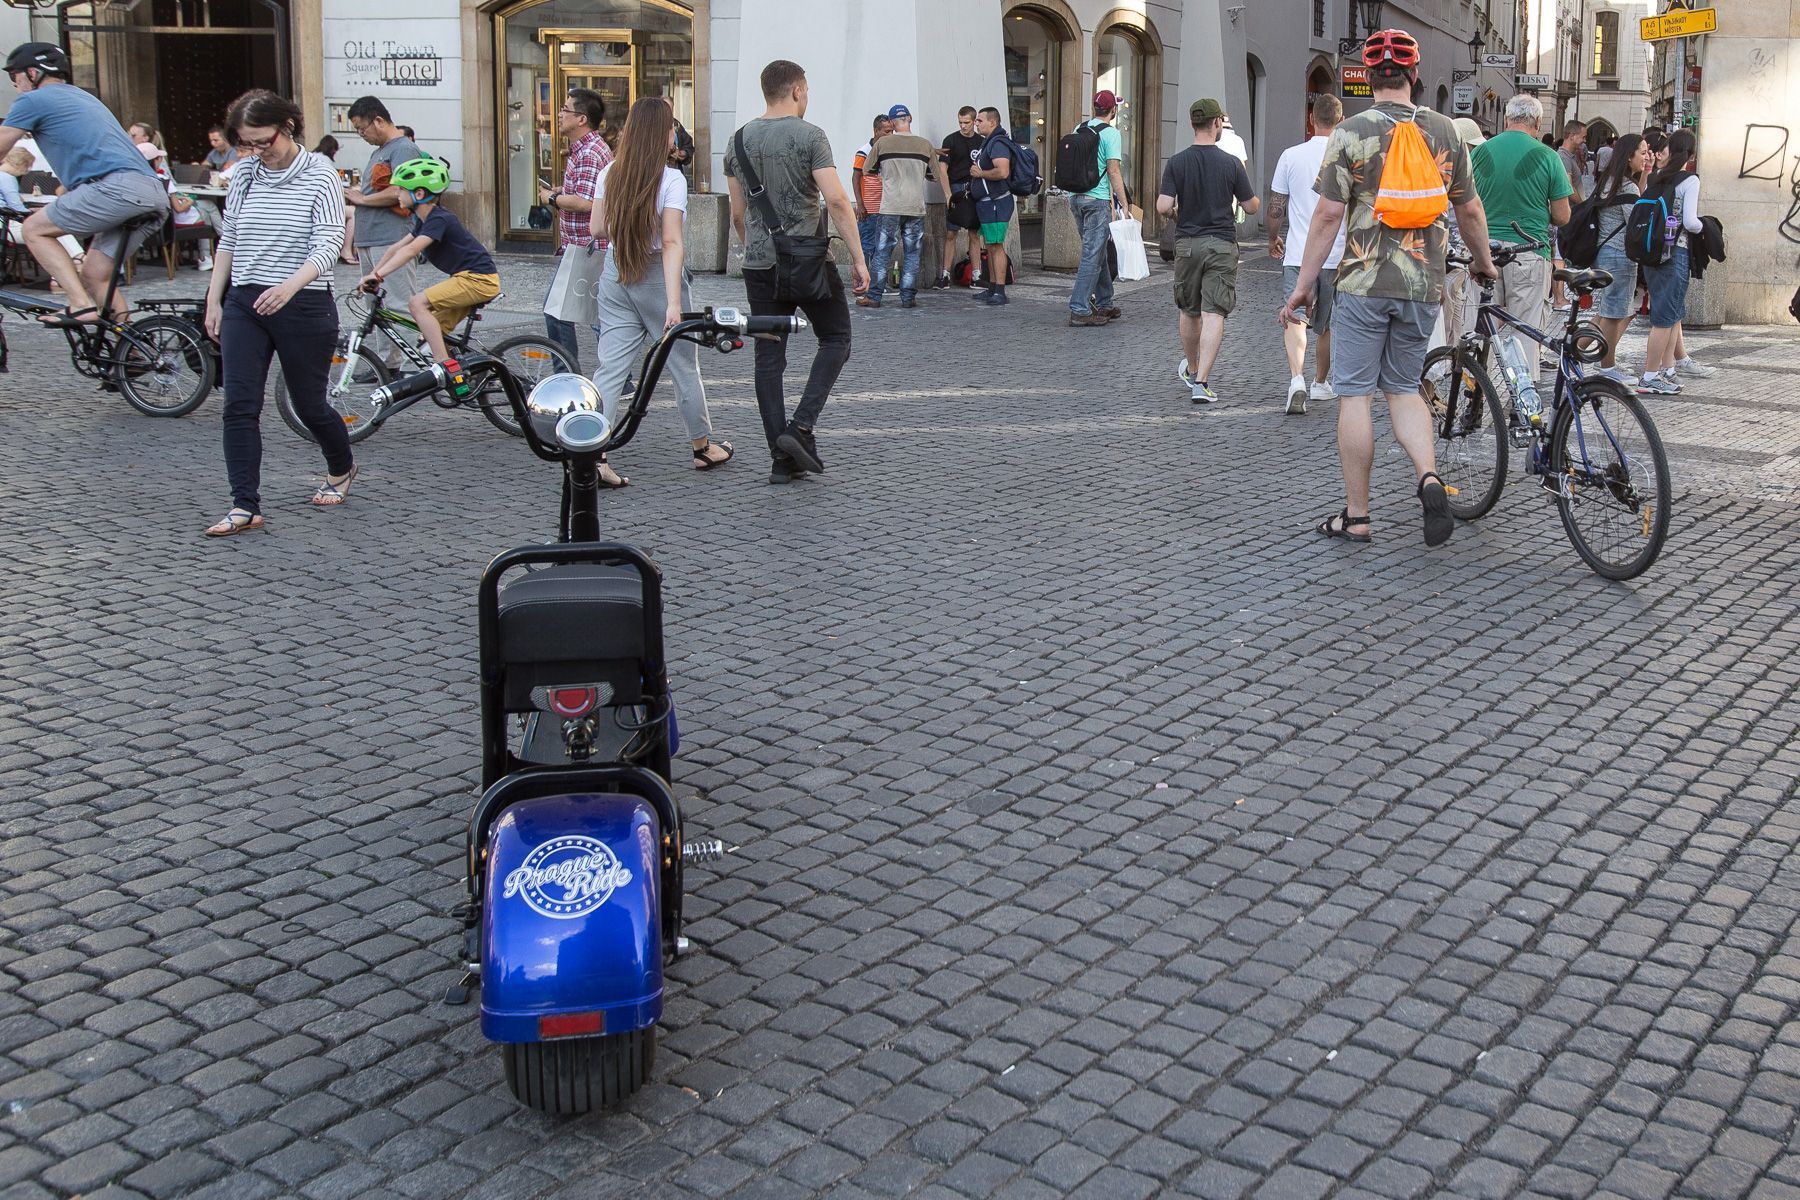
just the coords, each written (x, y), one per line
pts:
(1583, 279)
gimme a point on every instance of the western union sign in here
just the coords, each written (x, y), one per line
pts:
(1678, 24)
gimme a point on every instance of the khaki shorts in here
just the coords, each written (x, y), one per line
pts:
(1205, 276)
(454, 298)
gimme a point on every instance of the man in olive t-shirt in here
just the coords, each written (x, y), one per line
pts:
(792, 161)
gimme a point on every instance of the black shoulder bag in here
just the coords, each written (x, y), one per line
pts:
(801, 263)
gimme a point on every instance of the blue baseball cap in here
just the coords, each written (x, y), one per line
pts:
(898, 111)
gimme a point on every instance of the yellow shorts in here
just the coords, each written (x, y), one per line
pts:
(454, 298)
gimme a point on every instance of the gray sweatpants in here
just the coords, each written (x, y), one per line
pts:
(632, 313)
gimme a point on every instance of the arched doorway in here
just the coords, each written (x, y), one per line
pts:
(1443, 99)
(176, 65)
(1128, 63)
(622, 49)
(1318, 82)
(1041, 44)
(1252, 130)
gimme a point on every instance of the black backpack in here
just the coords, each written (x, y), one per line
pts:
(1580, 239)
(1078, 160)
(1647, 239)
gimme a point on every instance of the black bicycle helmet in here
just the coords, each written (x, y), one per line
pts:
(41, 56)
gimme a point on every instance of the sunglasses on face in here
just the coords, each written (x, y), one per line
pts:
(258, 143)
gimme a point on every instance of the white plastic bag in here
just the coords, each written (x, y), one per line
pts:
(1128, 241)
(574, 292)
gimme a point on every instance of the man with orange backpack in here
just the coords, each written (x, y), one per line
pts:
(1392, 176)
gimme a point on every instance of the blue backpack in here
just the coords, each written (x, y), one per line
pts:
(1649, 239)
(1024, 179)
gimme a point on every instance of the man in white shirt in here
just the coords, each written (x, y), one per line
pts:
(1291, 196)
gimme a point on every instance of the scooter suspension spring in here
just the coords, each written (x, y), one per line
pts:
(704, 850)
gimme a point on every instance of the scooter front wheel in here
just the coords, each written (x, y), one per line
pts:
(571, 1076)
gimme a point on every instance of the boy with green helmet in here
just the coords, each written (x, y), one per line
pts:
(446, 245)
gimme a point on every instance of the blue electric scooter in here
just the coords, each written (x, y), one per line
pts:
(576, 847)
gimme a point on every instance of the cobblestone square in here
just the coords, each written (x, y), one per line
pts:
(1101, 831)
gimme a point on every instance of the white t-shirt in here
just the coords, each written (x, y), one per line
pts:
(1232, 143)
(1295, 174)
(672, 194)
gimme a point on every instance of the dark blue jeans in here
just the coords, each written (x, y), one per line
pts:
(304, 336)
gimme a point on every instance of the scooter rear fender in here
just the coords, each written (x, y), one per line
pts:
(571, 922)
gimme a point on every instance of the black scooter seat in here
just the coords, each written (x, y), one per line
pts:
(569, 626)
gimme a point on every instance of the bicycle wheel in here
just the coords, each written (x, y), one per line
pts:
(164, 369)
(1470, 427)
(1611, 478)
(347, 391)
(530, 357)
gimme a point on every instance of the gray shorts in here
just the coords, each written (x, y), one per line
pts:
(1318, 313)
(1379, 344)
(102, 205)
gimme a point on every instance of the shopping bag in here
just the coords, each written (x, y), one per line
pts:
(573, 292)
(1128, 239)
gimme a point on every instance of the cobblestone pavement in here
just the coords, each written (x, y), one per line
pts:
(1102, 832)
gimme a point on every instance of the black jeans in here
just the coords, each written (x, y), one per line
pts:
(830, 320)
(304, 334)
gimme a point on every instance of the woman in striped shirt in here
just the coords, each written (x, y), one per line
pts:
(283, 229)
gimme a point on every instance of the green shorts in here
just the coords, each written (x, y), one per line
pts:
(994, 232)
(1205, 276)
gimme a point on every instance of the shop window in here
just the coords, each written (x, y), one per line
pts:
(1033, 82)
(622, 49)
(1119, 69)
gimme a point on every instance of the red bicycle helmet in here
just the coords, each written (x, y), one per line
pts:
(1391, 45)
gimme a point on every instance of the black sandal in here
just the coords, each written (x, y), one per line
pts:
(704, 463)
(606, 483)
(68, 318)
(1436, 501)
(1341, 528)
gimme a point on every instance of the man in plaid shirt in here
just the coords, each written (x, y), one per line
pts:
(589, 154)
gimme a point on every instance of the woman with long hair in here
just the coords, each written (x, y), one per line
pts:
(1668, 282)
(640, 205)
(271, 296)
(1627, 170)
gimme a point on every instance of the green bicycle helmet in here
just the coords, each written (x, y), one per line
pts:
(427, 173)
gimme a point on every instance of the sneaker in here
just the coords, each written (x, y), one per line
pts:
(942, 281)
(995, 299)
(205, 264)
(909, 304)
(1296, 405)
(1617, 375)
(868, 302)
(1111, 314)
(980, 294)
(1181, 369)
(1657, 385)
(1322, 390)
(1695, 370)
(1092, 318)
(796, 444)
(1199, 393)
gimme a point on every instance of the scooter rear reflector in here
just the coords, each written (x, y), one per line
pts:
(572, 1025)
(571, 702)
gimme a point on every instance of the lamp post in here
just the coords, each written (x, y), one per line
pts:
(1370, 11)
(1475, 48)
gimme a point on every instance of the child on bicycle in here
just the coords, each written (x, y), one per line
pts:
(446, 245)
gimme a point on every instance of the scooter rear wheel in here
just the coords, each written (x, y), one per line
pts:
(571, 1076)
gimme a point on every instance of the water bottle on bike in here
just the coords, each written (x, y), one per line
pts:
(1521, 378)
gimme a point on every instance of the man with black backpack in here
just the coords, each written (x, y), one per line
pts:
(993, 200)
(1087, 167)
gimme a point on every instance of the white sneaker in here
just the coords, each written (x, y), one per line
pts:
(205, 264)
(1618, 374)
(1296, 401)
(1695, 370)
(1181, 369)
(1322, 390)
(1199, 393)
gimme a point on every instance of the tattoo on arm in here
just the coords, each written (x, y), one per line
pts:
(1277, 212)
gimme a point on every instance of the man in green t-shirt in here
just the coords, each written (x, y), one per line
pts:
(1520, 180)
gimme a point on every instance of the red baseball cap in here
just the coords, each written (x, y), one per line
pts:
(1105, 102)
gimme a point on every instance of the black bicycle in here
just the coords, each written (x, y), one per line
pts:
(358, 370)
(1596, 449)
(162, 363)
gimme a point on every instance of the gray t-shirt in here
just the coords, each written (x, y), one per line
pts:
(784, 152)
(384, 226)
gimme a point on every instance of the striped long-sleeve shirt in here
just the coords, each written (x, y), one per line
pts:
(275, 221)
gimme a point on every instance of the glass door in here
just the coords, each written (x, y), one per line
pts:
(604, 61)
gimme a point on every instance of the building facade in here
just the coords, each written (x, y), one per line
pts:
(1615, 68)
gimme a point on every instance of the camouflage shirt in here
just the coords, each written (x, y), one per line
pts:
(1398, 264)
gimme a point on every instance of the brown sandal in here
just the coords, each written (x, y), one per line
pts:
(328, 493)
(238, 520)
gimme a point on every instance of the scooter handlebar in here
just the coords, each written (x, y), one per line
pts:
(737, 321)
(408, 387)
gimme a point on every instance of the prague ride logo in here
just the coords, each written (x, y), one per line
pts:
(567, 877)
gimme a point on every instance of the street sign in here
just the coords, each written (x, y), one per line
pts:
(1356, 82)
(1463, 99)
(1532, 83)
(1676, 24)
(1500, 62)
